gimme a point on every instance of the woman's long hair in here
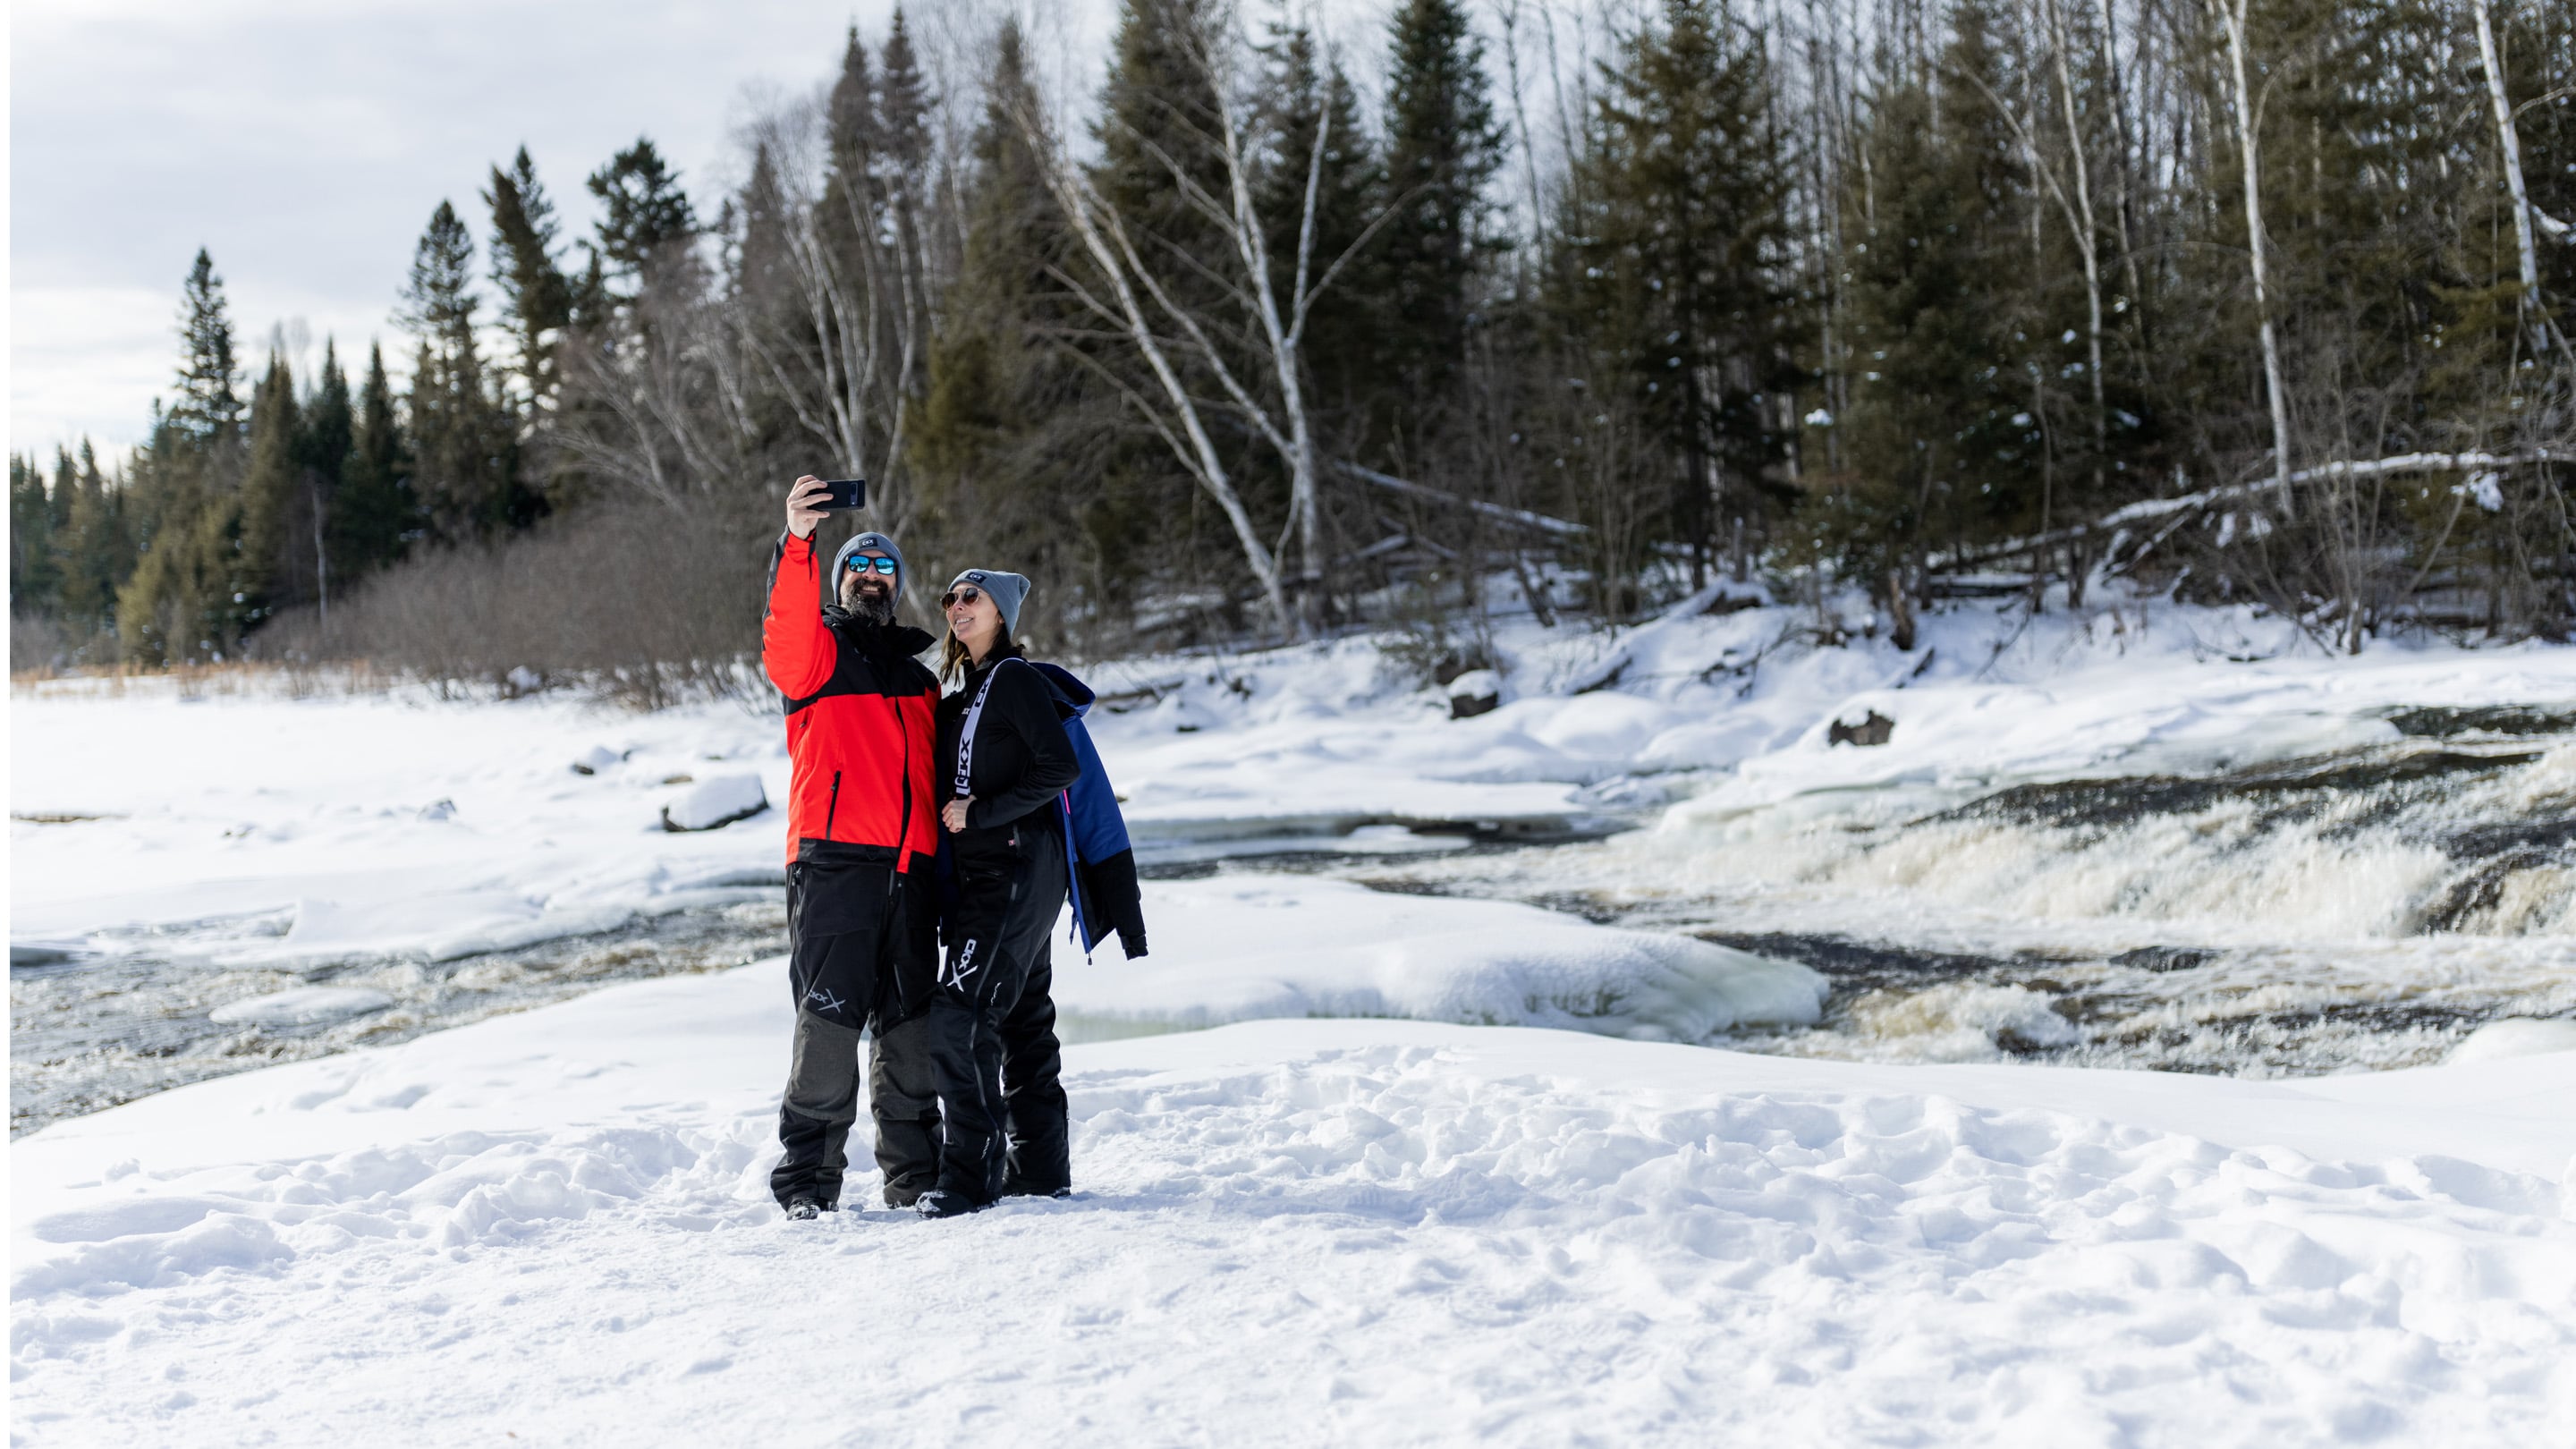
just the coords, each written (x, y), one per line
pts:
(954, 658)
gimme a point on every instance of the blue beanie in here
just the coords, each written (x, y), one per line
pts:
(1009, 591)
(860, 544)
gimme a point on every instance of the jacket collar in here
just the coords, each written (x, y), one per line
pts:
(882, 640)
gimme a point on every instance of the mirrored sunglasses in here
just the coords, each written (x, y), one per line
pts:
(859, 564)
(954, 597)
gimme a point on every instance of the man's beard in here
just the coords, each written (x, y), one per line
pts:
(870, 607)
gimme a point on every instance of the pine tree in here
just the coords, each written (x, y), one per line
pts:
(208, 409)
(903, 103)
(1940, 434)
(1443, 146)
(1159, 111)
(644, 211)
(1678, 244)
(999, 446)
(177, 604)
(376, 515)
(269, 495)
(465, 444)
(536, 296)
(35, 580)
(97, 551)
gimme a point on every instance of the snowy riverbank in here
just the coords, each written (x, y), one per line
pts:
(1378, 1206)
(554, 1225)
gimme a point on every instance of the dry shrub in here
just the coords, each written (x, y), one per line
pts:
(634, 602)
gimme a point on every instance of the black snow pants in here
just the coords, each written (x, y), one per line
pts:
(852, 929)
(966, 1091)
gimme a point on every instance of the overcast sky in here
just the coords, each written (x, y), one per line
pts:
(305, 142)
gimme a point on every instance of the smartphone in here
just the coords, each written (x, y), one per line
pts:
(842, 495)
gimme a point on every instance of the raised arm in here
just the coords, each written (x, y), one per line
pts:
(796, 649)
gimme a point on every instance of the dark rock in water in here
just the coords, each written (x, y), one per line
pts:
(2164, 958)
(2282, 790)
(1468, 706)
(2442, 722)
(1871, 731)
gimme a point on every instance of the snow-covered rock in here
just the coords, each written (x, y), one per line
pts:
(715, 802)
(2515, 1036)
(1478, 691)
(302, 1006)
(595, 759)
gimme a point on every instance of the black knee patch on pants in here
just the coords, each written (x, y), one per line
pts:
(903, 1099)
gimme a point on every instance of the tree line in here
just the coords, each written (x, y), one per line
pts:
(2261, 299)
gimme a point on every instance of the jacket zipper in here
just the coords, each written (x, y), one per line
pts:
(903, 827)
(833, 807)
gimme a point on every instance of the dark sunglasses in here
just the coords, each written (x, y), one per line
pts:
(954, 597)
(859, 564)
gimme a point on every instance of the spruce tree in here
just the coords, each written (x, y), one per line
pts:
(1940, 436)
(322, 454)
(463, 438)
(376, 514)
(208, 409)
(34, 579)
(1158, 111)
(1678, 243)
(96, 550)
(177, 604)
(1443, 146)
(903, 103)
(536, 296)
(999, 444)
(269, 496)
(644, 210)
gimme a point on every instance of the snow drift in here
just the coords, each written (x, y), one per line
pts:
(1240, 947)
(555, 1225)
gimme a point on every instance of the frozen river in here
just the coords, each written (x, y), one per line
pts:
(2366, 908)
(2128, 860)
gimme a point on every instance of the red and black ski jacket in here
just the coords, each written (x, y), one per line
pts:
(859, 723)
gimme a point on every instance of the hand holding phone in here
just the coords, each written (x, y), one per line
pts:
(809, 498)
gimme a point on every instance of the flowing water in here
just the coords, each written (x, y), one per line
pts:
(2365, 908)
(131, 1016)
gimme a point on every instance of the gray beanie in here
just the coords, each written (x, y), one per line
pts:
(1009, 591)
(864, 541)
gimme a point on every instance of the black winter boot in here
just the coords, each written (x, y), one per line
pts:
(937, 1203)
(803, 1209)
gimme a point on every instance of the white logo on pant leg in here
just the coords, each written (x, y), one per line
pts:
(964, 965)
(824, 1000)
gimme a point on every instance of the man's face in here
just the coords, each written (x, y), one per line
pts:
(867, 587)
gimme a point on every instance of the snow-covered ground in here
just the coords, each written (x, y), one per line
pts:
(554, 1226)
(1379, 1205)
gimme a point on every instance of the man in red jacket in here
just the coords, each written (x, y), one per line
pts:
(862, 828)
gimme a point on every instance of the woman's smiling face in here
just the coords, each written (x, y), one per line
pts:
(973, 617)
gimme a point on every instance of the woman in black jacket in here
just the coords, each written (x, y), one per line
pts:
(1002, 760)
